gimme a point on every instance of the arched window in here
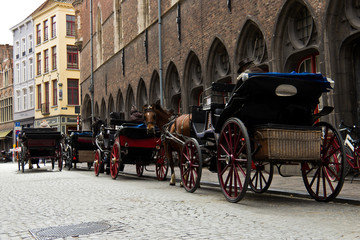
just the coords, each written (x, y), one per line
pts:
(130, 101)
(173, 89)
(103, 110)
(155, 88)
(194, 80)
(120, 102)
(142, 98)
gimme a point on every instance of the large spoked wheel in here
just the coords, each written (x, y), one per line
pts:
(58, 155)
(261, 176)
(139, 169)
(324, 179)
(191, 165)
(234, 160)
(115, 160)
(97, 162)
(162, 164)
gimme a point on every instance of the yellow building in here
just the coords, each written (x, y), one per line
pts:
(56, 65)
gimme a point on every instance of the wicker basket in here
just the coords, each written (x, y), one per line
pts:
(288, 144)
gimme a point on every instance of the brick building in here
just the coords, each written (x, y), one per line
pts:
(202, 41)
(6, 97)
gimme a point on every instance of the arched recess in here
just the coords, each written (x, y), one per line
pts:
(97, 111)
(218, 66)
(130, 101)
(343, 34)
(86, 113)
(120, 102)
(252, 46)
(296, 36)
(155, 88)
(103, 111)
(141, 97)
(193, 81)
(111, 106)
(173, 89)
(99, 38)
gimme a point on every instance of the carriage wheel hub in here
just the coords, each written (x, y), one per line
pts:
(228, 159)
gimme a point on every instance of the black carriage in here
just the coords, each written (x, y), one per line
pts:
(79, 148)
(268, 120)
(132, 144)
(40, 143)
(104, 141)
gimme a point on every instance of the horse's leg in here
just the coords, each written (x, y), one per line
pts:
(171, 163)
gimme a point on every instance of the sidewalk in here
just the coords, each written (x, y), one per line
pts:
(294, 186)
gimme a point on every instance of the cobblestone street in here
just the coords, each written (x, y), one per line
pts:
(143, 208)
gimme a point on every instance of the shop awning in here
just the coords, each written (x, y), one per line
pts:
(3, 134)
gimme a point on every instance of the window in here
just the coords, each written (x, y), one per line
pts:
(6, 112)
(23, 46)
(46, 30)
(30, 43)
(309, 64)
(39, 96)
(38, 34)
(17, 50)
(31, 65)
(6, 76)
(18, 103)
(24, 70)
(17, 76)
(72, 57)
(24, 99)
(31, 97)
(73, 92)
(53, 58)
(70, 25)
(38, 62)
(45, 109)
(53, 26)
(54, 92)
(46, 61)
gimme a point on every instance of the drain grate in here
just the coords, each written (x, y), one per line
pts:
(69, 230)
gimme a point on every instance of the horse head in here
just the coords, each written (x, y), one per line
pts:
(150, 118)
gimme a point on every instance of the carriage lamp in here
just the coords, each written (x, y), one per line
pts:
(285, 90)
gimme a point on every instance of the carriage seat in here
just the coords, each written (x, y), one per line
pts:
(199, 123)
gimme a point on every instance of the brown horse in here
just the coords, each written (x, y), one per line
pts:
(167, 122)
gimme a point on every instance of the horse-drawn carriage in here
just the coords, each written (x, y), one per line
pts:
(79, 147)
(267, 120)
(40, 143)
(129, 142)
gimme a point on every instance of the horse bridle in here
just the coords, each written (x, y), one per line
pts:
(147, 110)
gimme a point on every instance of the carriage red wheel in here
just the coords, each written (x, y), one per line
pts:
(321, 179)
(115, 160)
(261, 176)
(139, 169)
(191, 165)
(97, 162)
(162, 164)
(234, 160)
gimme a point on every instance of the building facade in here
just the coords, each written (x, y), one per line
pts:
(203, 41)
(57, 71)
(24, 81)
(6, 97)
